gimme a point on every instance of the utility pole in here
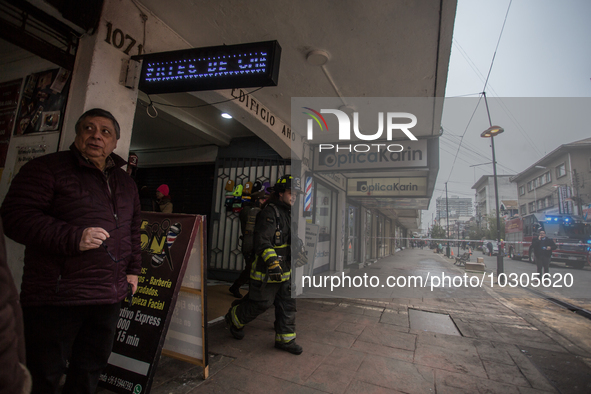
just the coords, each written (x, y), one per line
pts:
(458, 237)
(447, 249)
(576, 185)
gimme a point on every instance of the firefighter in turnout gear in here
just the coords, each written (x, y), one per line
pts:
(270, 275)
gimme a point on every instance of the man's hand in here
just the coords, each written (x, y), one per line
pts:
(132, 280)
(92, 238)
(275, 271)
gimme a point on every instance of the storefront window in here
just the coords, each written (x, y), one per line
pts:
(368, 236)
(323, 217)
(388, 235)
(380, 235)
(352, 236)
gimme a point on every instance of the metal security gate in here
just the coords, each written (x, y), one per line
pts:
(225, 259)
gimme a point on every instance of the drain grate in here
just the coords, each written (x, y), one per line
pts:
(433, 322)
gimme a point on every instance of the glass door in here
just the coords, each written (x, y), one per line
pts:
(352, 235)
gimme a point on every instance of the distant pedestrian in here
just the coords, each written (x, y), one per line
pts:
(543, 248)
(489, 246)
(163, 201)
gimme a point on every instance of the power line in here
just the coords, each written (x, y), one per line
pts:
(484, 89)
(497, 47)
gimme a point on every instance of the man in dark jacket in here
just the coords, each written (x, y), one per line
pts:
(78, 214)
(543, 248)
(270, 275)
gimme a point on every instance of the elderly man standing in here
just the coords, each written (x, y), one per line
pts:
(78, 214)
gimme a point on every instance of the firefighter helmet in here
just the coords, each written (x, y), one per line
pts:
(288, 182)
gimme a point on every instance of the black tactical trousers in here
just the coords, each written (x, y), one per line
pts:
(260, 298)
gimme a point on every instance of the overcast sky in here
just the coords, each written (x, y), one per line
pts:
(539, 89)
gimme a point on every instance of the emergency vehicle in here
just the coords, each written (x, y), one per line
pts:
(570, 233)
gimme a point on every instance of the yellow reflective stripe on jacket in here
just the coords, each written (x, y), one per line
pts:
(260, 276)
(269, 255)
(285, 338)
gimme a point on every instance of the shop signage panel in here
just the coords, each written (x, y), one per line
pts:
(211, 68)
(312, 231)
(371, 156)
(167, 246)
(387, 187)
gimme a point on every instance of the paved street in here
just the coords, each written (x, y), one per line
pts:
(506, 340)
(579, 293)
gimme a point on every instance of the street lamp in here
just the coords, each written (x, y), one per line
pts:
(491, 132)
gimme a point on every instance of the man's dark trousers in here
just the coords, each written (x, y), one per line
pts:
(83, 335)
(543, 262)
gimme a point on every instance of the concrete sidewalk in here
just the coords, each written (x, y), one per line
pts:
(510, 342)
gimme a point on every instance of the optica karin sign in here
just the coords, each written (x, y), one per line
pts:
(387, 187)
(408, 154)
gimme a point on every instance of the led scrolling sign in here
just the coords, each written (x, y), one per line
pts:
(211, 68)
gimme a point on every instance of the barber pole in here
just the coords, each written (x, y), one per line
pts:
(308, 195)
(171, 236)
(173, 232)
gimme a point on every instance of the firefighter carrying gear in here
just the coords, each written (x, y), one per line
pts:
(272, 239)
(270, 275)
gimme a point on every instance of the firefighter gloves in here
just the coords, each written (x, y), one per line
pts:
(275, 271)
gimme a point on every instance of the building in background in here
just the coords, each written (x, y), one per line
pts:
(460, 212)
(560, 182)
(458, 207)
(484, 203)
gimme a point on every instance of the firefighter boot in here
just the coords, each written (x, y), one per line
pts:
(290, 346)
(237, 333)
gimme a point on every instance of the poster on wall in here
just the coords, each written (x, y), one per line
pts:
(43, 102)
(9, 92)
(26, 153)
(168, 244)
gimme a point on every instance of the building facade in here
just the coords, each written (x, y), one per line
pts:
(559, 183)
(484, 201)
(457, 207)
